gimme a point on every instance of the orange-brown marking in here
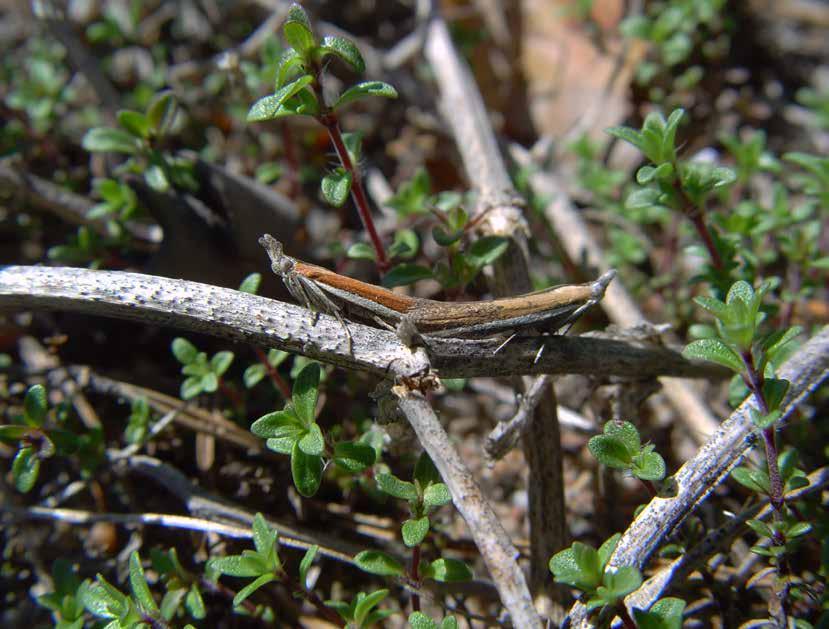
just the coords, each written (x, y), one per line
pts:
(378, 294)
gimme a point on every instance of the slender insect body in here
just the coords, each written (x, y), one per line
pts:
(322, 290)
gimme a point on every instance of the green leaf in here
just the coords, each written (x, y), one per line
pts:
(251, 283)
(419, 620)
(221, 362)
(436, 495)
(361, 251)
(404, 274)
(487, 250)
(305, 393)
(607, 548)
(755, 480)
(344, 49)
(102, 600)
(209, 382)
(305, 565)
(312, 442)
(290, 64)
(764, 421)
(619, 582)
(194, 603)
(250, 588)
(774, 391)
(184, 351)
(577, 566)
(666, 613)
(306, 470)
(632, 136)
(610, 451)
(275, 424)
(412, 196)
(336, 187)
(354, 457)
(449, 570)
(35, 406)
(106, 140)
(138, 584)
(362, 90)
(13, 432)
(649, 466)
(425, 471)
(267, 107)
(264, 536)
(379, 563)
(715, 351)
(156, 178)
(297, 30)
(354, 145)
(393, 486)
(134, 122)
(250, 565)
(415, 531)
(254, 374)
(713, 305)
(25, 468)
(366, 604)
(405, 245)
(161, 111)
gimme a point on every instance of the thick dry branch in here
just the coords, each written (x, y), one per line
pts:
(268, 323)
(695, 480)
(206, 309)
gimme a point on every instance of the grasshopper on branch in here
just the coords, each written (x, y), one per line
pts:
(322, 290)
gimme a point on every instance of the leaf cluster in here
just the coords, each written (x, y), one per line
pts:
(620, 447)
(295, 432)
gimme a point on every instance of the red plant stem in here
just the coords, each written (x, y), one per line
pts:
(273, 374)
(329, 120)
(754, 381)
(415, 577)
(707, 239)
(358, 193)
(696, 216)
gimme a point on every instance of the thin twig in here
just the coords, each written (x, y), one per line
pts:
(506, 434)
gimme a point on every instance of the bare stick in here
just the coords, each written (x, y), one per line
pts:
(505, 434)
(245, 318)
(492, 540)
(463, 107)
(725, 449)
